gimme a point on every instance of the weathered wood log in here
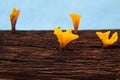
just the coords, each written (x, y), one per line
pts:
(29, 55)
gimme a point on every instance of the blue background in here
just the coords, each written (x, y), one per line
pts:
(47, 14)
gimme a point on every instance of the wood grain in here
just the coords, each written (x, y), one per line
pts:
(34, 55)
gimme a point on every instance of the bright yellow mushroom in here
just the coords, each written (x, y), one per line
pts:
(76, 20)
(64, 37)
(105, 38)
(13, 18)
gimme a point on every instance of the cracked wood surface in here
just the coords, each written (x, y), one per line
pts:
(34, 55)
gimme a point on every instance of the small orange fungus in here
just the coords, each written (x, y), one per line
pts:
(76, 20)
(13, 18)
(105, 38)
(64, 37)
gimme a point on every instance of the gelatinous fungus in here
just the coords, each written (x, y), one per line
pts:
(64, 37)
(76, 20)
(13, 18)
(104, 37)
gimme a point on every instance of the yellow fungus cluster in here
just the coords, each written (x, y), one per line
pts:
(105, 38)
(76, 20)
(64, 37)
(13, 18)
(67, 36)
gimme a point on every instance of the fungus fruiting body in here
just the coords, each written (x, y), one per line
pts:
(104, 37)
(64, 37)
(76, 20)
(13, 18)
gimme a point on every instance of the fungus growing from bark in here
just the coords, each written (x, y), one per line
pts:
(64, 37)
(104, 37)
(13, 18)
(75, 20)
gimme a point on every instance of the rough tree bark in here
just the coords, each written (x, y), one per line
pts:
(29, 55)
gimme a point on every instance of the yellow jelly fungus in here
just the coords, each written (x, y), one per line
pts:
(64, 37)
(76, 20)
(105, 38)
(13, 18)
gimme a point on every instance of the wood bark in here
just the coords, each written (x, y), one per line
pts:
(35, 55)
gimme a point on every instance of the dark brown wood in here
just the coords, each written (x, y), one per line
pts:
(29, 55)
